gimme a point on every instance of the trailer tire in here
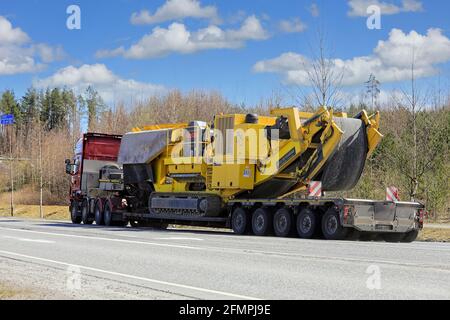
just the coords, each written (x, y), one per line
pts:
(306, 224)
(261, 222)
(108, 214)
(98, 213)
(240, 222)
(74, 216)
(332, 228)
(85, 214)
(134, 224)
(410, 236)
(393, 237)
(282, 222)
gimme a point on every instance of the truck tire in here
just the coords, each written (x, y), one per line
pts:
(368, 236)
(134, 224)
(332, 228)
(411, 236)
(393, 237)
(98, 213)
(306, 223)
(262, 222)
(74, 216)
(282, 222)
(240, 222)
(108, 214)
(85, 214)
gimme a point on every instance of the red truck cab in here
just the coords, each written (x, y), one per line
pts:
(92, 152)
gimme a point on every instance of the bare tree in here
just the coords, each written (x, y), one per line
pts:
(325, 79)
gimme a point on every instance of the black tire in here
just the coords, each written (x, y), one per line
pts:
(240, 222)
(411, 236)
(283, 222)
(108, 214)
(85, 214)
(332, 228)
(353, 235)
(262, 222)
(393, 237)
(134, 224)
(74, 212)
(121, 223)
(306, 223)
(368, 236)
(98, 213)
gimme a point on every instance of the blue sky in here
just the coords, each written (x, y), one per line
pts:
(245, 49)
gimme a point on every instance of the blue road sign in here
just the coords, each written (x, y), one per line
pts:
(7, 119)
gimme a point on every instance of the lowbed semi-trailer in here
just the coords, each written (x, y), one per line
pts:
(171, 174)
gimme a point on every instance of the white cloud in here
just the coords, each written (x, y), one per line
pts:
(314, 10)
(10, 35)
(292, 25)
(19, 55)
(174, 10)
(391, 60)
(358, 8)
(177, 39)
(110, 86)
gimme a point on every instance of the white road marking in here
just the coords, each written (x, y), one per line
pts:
(101, 238)
(178, 238)
(131, 276)
(28, 240)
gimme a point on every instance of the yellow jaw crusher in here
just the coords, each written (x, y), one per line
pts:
(250, 156)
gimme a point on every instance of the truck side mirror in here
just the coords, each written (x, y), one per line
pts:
(68, 166)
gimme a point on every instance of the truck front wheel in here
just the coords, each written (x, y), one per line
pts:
(240, 221)
(261, 222)
(332, 228)
(74, 216)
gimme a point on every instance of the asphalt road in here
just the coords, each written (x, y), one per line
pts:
(60, 260)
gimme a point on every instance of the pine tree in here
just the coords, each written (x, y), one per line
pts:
(9, 105)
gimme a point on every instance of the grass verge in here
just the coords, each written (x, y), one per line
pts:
(32, 211)
(434, 234)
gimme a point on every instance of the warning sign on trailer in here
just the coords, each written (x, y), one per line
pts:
(315, 189)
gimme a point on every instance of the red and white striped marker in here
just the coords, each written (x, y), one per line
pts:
(315, 189)
(392, 194)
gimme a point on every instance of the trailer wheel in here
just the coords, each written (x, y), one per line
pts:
(282, 222)
(262, 222)
(134, 224)
(332, 228)
(74, 208)
(85, 216)
(240, 221)
(393, 237)
(411, 236)
(107, 214)
(306, 223)
(98, 213)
